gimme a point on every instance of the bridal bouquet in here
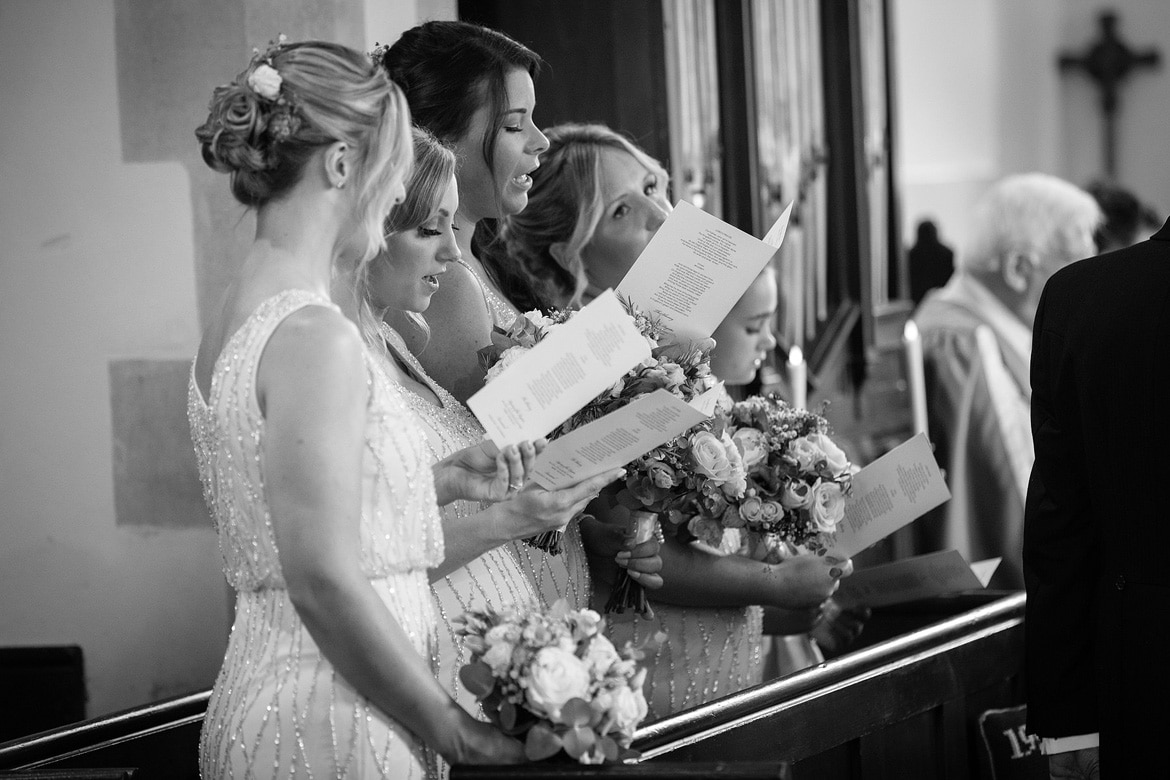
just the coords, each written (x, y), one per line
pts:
(796, 483)
(681, 369)
(555, 681)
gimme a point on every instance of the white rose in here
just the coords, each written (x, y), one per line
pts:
(499, 658)
(828, 506)
(538, 318)
(600, 655)
(507, 358)
(556, 676)
(835, 457)
(627, 708)
(265, 81)
(751, 445)
(805, 452)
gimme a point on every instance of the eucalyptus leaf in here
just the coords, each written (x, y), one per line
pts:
(542, 743)
(477, 677)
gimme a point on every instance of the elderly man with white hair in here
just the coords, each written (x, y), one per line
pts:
(977, 341)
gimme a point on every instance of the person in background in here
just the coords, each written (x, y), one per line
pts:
(311, 464)
(976, 339)
(931, 262)
(1094, 525)
(1127, 219)
(595, 203)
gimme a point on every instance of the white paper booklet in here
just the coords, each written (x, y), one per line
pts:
(894, 490)
(565, 371)
(696, 268)
(619, 437)
(923, 576)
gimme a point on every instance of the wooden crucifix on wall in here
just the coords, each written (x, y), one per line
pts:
(1109, 62)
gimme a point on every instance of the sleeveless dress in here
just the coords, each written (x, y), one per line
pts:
(279, 708)
(563, 576)
(709, 652)
(495, 578)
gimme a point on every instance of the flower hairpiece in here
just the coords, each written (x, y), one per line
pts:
(379, 52)
(265, 80)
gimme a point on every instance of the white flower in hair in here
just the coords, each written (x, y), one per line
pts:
(265, 81)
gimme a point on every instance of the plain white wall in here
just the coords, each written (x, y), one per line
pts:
(98, 263)
(979, 96)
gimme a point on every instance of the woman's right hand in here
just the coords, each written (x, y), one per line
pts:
(806, 581)
(476, 742)
(535, 510)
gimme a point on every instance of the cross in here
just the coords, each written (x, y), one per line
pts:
(1108, 62)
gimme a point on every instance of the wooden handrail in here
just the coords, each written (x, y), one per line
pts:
(70, 744)
(746, 735)
(884, 664)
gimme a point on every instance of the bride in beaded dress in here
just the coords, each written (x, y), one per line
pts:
(594, 205)
(481, 569)
(312, 463)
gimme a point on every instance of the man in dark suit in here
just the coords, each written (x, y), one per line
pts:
(1097, 517)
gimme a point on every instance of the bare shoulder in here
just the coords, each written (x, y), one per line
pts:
(460, 326)
(458, 301)
(315, 351)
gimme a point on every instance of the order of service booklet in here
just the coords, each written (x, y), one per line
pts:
(599, 344)
(562, 373)
(918, 577)
(696, 267)
(894, 490)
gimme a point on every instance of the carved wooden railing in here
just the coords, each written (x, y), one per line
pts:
(904, 707)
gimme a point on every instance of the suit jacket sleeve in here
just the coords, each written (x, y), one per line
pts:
(1061, 564)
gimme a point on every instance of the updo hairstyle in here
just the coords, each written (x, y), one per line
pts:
(448, 71)
(565, 205)
(263, 136)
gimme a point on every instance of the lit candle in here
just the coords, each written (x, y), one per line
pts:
(915, 377)
(798, 378)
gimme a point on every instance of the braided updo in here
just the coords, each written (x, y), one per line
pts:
(295, 98)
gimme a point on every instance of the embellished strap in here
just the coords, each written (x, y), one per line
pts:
(502, 313)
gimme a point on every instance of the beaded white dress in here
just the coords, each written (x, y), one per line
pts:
(279, 708)
(708, 652)
(495, 578)
(563, 576)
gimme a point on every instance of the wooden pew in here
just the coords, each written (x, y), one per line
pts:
(905, 706)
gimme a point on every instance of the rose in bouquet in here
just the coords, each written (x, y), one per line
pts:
(698, 468)
(796, 482)
(681, 369)
(552, 679)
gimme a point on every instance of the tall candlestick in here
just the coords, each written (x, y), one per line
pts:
(798, 378)
(915, 376)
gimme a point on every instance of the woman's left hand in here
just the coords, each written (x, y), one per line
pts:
(839, 627)
(485, 473)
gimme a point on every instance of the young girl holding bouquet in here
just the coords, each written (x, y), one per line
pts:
(594, 205)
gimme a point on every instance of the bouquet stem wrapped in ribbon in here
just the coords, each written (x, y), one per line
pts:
(628, 593)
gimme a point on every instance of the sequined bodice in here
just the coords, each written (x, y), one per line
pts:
(495, 579)
(400, 529)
